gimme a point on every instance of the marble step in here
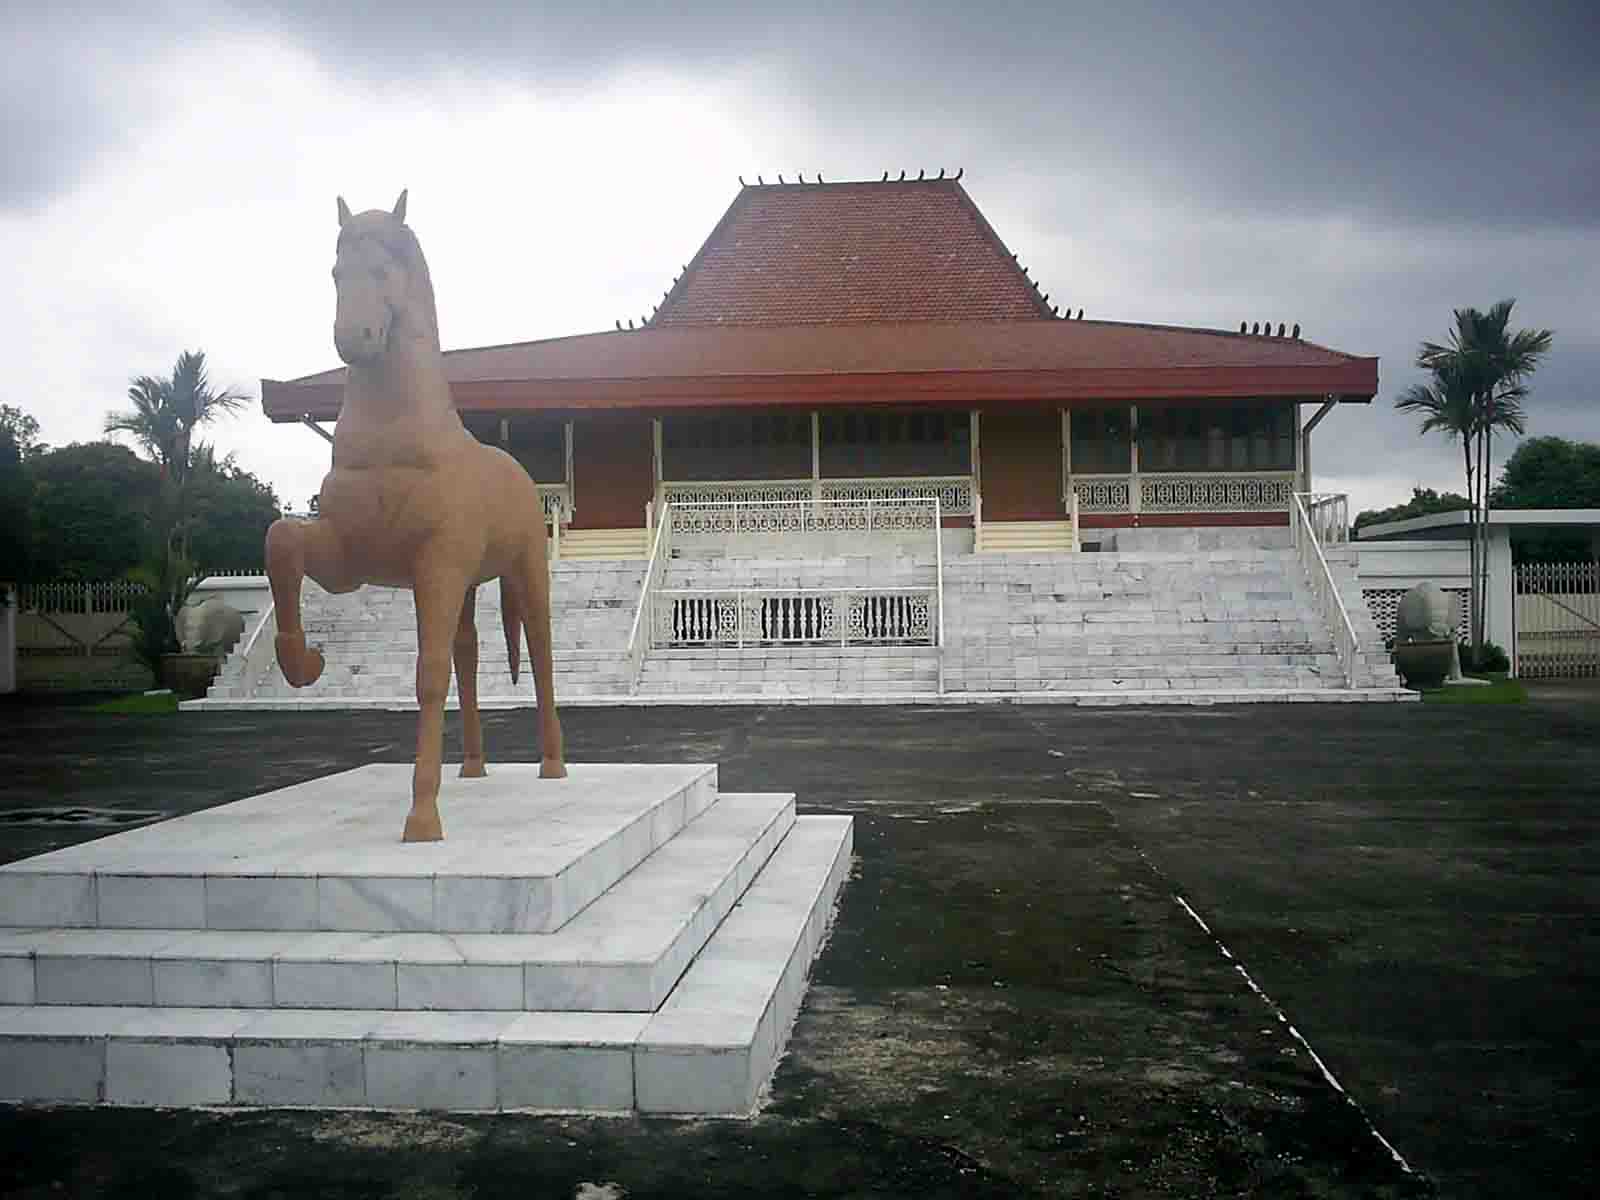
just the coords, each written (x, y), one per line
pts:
(708, 1050)
(326, 855)
(622, 953)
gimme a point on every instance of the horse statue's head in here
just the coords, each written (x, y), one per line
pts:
(384, 293)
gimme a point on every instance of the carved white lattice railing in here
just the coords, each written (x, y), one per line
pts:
(954, 492)
(794, 616)
(554, 498)
(1187, 492)
(729, 518)
(1103, 493)
(1324, 588)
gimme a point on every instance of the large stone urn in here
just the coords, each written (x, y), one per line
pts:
(1425, 653)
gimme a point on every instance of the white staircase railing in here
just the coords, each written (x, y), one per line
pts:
(654, 571)
(1309, 547)
(254, 656)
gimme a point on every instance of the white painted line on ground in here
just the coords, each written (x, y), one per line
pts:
(1283, 1020)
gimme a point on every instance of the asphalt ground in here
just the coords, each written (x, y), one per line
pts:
(1019, 997)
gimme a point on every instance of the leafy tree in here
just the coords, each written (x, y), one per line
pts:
(22, 429)
(1477, 387)
(15, 494)
(1424, 502)
(90, 511)
(1550, 472)
(229, 511)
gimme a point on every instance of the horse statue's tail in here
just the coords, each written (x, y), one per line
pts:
(513, 606)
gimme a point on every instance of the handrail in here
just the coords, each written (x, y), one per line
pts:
(938, 564)
(1345, 641)
(635, 643)
(248, 668)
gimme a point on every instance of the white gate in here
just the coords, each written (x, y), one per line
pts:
(1558, 619)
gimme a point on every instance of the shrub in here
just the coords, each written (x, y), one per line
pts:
(1488, 658)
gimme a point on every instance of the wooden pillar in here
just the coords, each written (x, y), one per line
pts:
(655, 462)
(816, 457)
(1066, 460)
(1133, 458)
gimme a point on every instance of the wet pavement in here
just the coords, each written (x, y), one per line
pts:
(1026, 992)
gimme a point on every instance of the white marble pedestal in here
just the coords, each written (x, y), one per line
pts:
(626, 940)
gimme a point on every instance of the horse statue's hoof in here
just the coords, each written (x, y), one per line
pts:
(301, 667)
(473, 768)
(552, 768)
(423, 828)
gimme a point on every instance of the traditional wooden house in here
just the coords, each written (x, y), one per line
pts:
(879, 340)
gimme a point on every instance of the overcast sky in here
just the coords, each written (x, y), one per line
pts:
(167, 180)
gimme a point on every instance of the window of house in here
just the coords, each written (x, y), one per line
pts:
(1233, 437)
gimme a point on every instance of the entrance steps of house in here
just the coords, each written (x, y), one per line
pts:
(1219, 621)
(629, 939)
(1026, 537)
(369, 643)
(791, 672)
(612, 544)
(1181, 625)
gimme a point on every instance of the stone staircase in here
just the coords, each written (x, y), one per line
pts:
(1171, 621)
(628, 939)
(369, 641)
(795, 672)
(1149, 625)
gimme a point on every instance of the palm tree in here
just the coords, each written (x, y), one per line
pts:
(1484, 366)
(166, 412)
(164, 416)
(1445, 404)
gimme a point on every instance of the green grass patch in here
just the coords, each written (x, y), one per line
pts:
(139, 705)
(1500, 691)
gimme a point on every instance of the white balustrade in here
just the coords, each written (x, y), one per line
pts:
(1186, 492)
(793, 616)
(1103, 493)
(555, 498)
(954, 492)
(1209, 492)
(730, 518)
(1329, 514)
(1324, 588)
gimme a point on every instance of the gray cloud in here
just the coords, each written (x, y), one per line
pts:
(1468, 112)
(1359, 167)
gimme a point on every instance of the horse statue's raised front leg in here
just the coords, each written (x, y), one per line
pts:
(297, 548)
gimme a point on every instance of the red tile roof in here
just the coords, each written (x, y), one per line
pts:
(955, 362)
(800, 253)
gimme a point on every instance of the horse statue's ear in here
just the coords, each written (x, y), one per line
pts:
(400, 206)
(344, 212)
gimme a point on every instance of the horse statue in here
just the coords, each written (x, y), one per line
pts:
(413, 500)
